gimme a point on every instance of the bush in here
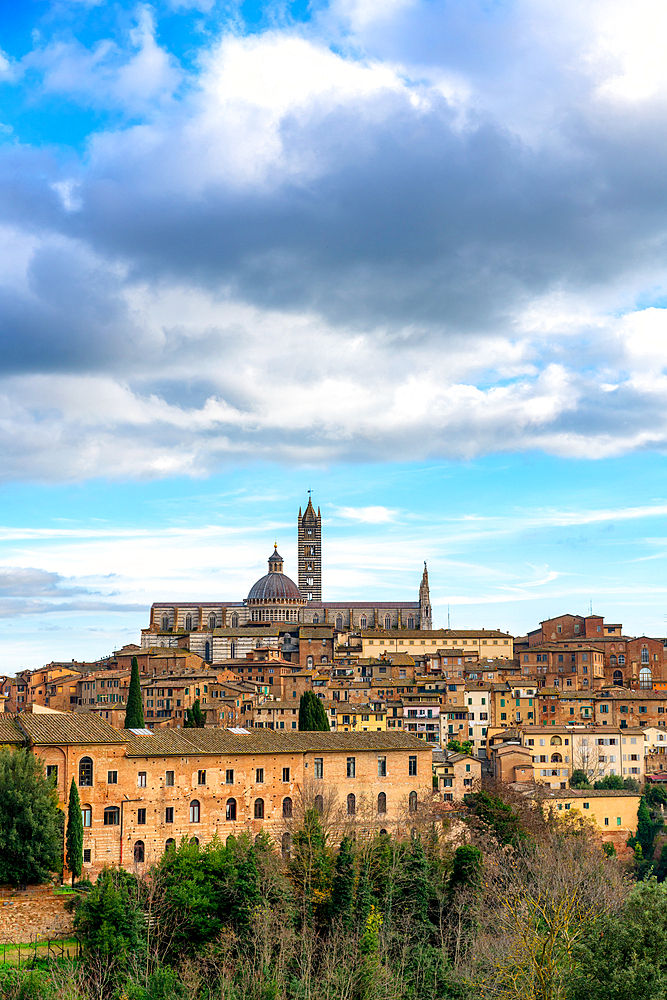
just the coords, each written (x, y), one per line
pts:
(31, 839)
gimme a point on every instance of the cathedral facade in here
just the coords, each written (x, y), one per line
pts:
(275, 604)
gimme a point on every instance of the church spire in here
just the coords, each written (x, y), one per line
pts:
(425, 621)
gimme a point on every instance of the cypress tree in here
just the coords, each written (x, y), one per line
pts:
(194, 717)
(312, 716)
(134, 714)
(74, 834)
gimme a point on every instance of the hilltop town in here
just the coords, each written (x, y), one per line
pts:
(415, 714)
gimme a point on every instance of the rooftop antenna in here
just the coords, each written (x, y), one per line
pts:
(448, 622)
(590, 606)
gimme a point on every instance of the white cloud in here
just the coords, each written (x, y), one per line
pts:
(367, 515)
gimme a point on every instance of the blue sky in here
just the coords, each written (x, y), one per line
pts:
(410, 254)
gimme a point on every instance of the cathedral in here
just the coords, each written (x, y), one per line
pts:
(275, 604)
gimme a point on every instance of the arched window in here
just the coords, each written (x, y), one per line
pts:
(383, 833)
(286, 845)
(309, 662)
(644, 654)
(621, 661)
(319, 804)
(382, 803)
(316, 619)
(618, 677)
(194, 841)
(287, 808)
(230, 811)
(339, 624)
(612, 660)
(363, 622)
(165, 623)
(645, 678)
(232, 650)
(85, 771)
(351, 804)
(139, 852)
(211, 621)
(194, 811)
(207, 652)
(411, 623)
(235, 621)
(556, 758)
(188, 623)
(87, 815)
(556, 741)
(259, 808)
(112, 816)
(171, 843)
(387, 621)
(412, 802)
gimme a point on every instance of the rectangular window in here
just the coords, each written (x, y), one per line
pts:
(259, 775)
(52, 772)
(587, 805)
(382, 767)
(169, 814)
(141, 817)
(141, 779)
(618, 821)
(412, 766)
(112, 777)
(286, 774)
(229, 776)
(351, 767)
(86, 856)
(201, 777)
(606, 821)
(87, 815)
(169, 779)
(319, 767)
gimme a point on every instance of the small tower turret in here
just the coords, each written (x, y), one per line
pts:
(425, 621)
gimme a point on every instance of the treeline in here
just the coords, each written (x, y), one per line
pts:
(505, 905)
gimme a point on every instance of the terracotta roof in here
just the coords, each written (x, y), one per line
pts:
(9, 731)
(184, 742)
(68, 728)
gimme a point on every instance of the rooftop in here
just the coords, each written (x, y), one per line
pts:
(182, 742)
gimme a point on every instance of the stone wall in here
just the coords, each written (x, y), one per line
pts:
(33, 914)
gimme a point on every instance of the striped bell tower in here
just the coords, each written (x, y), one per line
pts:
(310, 553)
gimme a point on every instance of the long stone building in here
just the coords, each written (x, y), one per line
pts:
(222, 630)
(141, 792)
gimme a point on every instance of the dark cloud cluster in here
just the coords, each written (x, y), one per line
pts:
(420, 252)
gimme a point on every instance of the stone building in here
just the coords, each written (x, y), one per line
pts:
(141, 792)
(276, 606)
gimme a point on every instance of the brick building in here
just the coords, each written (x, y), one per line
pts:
(141, 793)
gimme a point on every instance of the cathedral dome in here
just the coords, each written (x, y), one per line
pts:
(275, 587)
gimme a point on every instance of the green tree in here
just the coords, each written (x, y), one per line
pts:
(624, 955)
(194, 717)
(74, 833)
(134, 714)
(461, 746)
(312, 716)
(579, 779)
(108, 919)
(467, 867)
(30, 820)
(499, 815)
(647, 828)
(342, 888)
(657, 796)
(611, 782)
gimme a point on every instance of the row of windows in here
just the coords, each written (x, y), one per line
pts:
(86, 772)
(112, 813)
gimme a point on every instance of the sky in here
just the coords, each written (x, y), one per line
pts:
(409, 254)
